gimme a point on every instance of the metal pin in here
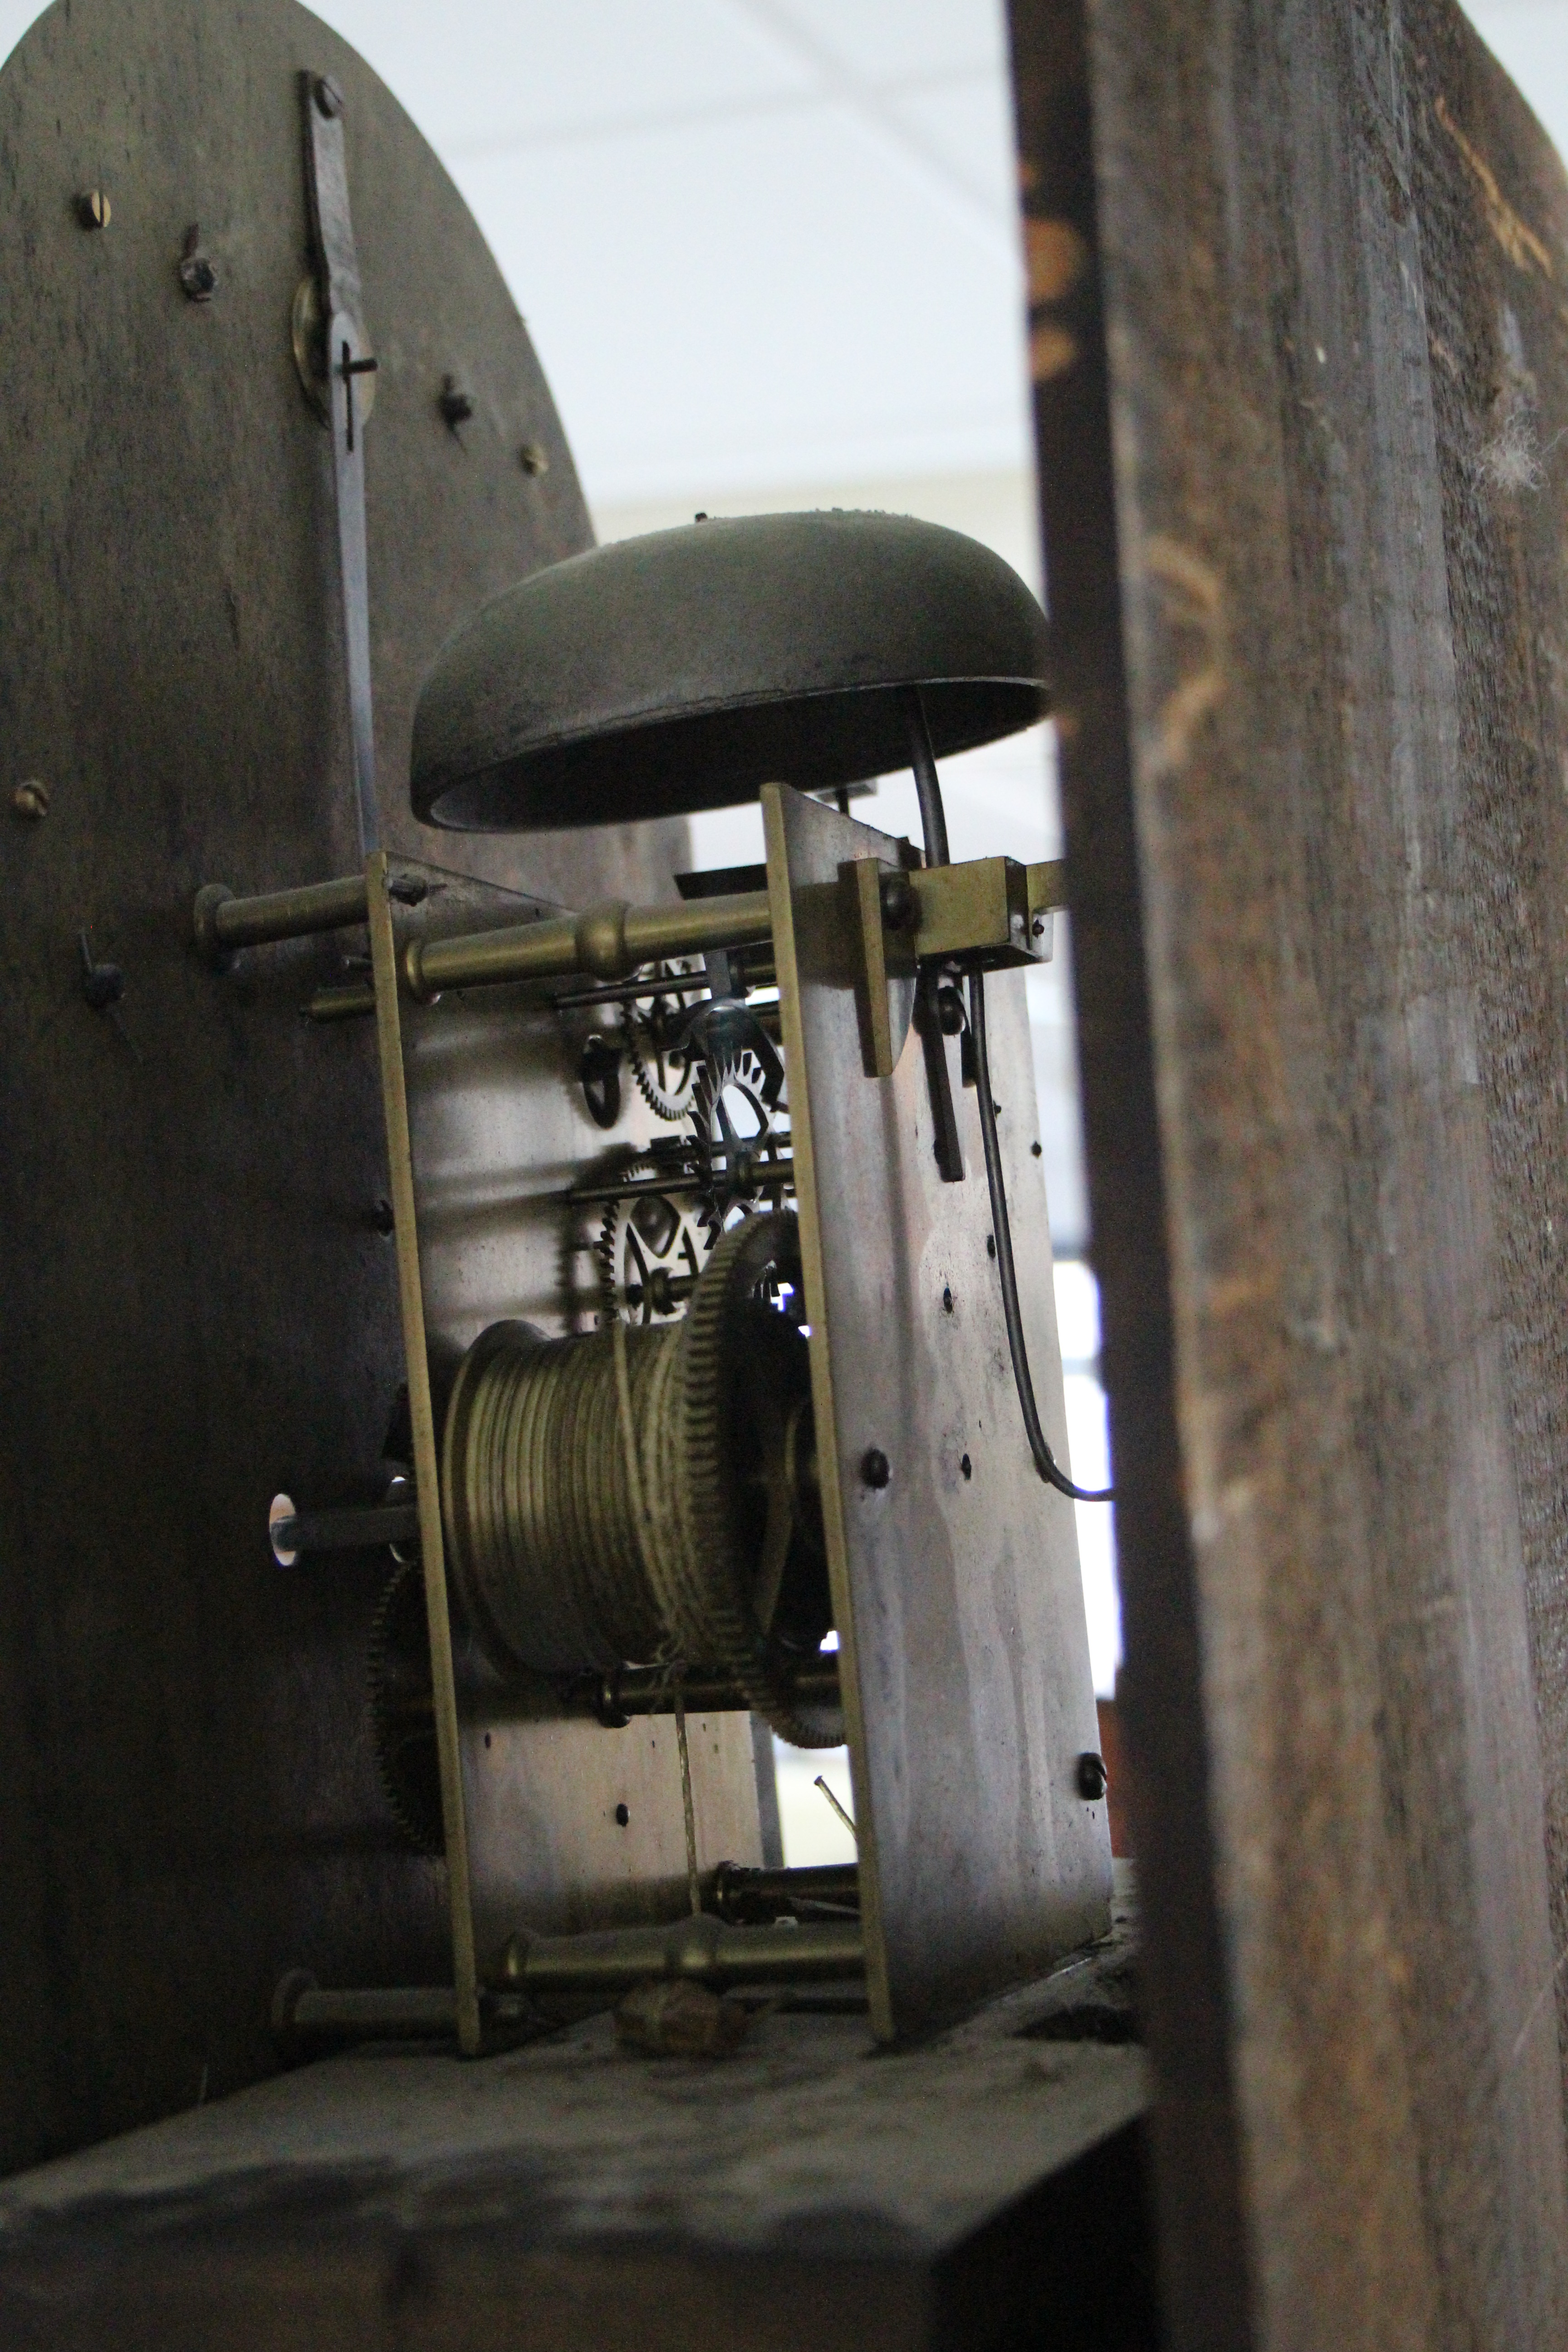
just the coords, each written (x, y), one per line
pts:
(820, 1783)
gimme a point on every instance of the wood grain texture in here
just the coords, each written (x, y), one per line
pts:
(984, 2190)
(198, 1307)
(1300, 350)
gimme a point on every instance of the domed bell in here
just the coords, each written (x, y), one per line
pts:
(683, 670)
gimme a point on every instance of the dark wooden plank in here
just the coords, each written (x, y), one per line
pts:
(198, 1307)
(809, 2192)
(1301, 361)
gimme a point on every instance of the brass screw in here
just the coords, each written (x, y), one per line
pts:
(30, 800)
(92, 209)
(533, 459)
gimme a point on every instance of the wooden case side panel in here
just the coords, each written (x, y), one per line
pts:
(1315, 789)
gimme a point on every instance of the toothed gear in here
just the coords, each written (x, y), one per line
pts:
(643, 1246)
(740, 1355)
(740, 1073)
(651, 1053)
(403, 1724)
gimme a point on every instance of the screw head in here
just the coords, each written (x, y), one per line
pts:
(533, 458)
(92, 209)
(198, 276)
(952, 1018)
(875, 1469)
(329, 98)
(30, 800)
(898, 898)
(1092, 1777)
(455, 405)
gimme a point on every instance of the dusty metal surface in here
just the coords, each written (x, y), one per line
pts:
(200, 1307)
(1301, 370)
(962, 1647)
(805, 2192)
(570, 1825)
(683, 669)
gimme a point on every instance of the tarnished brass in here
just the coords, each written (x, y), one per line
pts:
(222, 923)
(353, 1002)
(701, 1950)
(886, 958)
(987, 914)
(978, 911)
(1047, 885)
(399, 1152)
(630, 1497)
(610, 940)
(300, 2008)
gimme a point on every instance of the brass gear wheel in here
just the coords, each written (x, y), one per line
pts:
(657, 1050)
(745, 1443)
(650, 1251)
(733, 1101)
(401, 1717)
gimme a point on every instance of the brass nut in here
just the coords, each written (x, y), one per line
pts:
(30, 800)
(92, 209)
(533, 458)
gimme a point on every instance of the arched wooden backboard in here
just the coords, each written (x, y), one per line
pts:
(198, 1306)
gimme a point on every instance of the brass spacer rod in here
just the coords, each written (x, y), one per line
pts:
(700, 1951)
(223, 923)
(609, 942)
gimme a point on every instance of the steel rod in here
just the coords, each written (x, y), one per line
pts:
(769, 1176)
(650, 1690)
(347, 1530)
(738, 1892)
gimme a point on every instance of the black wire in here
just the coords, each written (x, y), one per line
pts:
(1046, 1461)
(922, 760)
(933, 823)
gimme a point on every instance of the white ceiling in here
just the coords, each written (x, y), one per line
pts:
(756, 241)
(760, 242)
